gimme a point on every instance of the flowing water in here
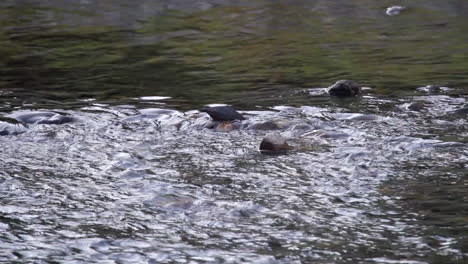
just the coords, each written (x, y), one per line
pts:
(139, 178)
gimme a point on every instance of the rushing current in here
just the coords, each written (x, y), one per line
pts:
(105, 158)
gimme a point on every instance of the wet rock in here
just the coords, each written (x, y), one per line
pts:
(345, 88)
(433, 88)
(274, 144)
(394, 10)
(39, 117)
(10, 126)
(222, 113)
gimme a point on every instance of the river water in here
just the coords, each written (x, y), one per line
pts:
(139, 178)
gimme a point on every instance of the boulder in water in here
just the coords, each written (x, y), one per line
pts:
(345, 88)
(274, 144)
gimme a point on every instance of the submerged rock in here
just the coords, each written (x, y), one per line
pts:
(39, 117)
(10, 126)
(345, 88)
(274, 144)
(222, 113)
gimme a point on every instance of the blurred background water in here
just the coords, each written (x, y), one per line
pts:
(392, 189)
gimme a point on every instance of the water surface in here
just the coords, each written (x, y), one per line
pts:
(371, 179)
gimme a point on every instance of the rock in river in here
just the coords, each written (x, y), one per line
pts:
(274, 144)
(345, 88)
(222, 113)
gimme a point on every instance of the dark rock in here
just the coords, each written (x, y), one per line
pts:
(43, 118)
(274, 144)
(433, 88)
(222, 113)
(274, 244)
(345, 88)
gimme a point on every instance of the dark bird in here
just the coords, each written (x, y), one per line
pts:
(222, 113)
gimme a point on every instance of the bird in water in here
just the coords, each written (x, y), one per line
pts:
(222, 113)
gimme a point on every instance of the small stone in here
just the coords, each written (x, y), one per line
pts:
(222, 113)
(345, 88)
(273, 144)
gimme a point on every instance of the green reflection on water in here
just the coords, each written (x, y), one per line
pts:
(222, 53)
